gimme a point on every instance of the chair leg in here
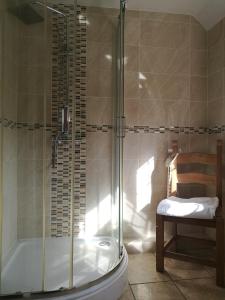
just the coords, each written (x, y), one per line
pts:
(159, 243)
(220, 251)
(175, 233)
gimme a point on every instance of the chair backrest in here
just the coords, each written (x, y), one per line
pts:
(193, 169)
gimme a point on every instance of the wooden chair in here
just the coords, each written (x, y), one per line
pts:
(178, 178)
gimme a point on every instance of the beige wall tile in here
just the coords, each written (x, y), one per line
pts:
(30, 226)
(99, 55)
(199, 62)
(131, 146)
(100, 29)
(31, 80)
(164, 60)
(216, 112)
(102, 11)
(99, 111)
(30, 108)
(177, 113)
(198, 143)
(99, 145)
(152, 113)
(198, 37)
(132, 85)
(165, 17)
(131, 111)
(97, 85)
(25, 148)
(9, 145)
(152, 146)
(98, 217)
(32, 51)
(215, 86)
(164, 87)
(160, 34)
(130, 173)
(9, 194)
(198, 88)
(216, 57)
(215, 34)
(131, 58)
(9, 104)
(132, 31)
(157, 113)
(198, 114)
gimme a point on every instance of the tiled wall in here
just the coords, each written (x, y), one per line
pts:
(166, 90)
(216, 85)
(165, 87)
(31, 93)
(8, 86)
(101, 47)
(64, 34)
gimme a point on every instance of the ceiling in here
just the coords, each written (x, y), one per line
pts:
(207, 12)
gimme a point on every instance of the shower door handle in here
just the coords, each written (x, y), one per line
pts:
(121, 127)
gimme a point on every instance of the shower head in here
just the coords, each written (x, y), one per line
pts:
(29, 12)
(50, 8)
(26, 13)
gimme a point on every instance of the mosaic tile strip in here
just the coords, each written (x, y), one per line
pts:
(106, 128)
(61, 172)
(148, 129)
(162, 129)
(80, 121)
(23, 125)
(63, 41)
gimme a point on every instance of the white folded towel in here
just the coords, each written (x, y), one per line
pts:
(201, 207)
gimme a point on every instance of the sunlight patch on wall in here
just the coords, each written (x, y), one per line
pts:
(144, 184)
(98, 217)
(142, 76)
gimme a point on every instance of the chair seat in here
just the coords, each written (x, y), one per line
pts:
(199, 208)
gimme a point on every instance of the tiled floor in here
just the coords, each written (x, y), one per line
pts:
(180, 281)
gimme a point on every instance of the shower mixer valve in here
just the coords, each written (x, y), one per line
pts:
(62, 134)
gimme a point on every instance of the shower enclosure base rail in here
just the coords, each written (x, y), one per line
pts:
(110, 286)
(95, 260)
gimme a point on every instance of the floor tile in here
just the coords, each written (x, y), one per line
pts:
(211, 271)
(127, 294)
(142, 269)
(157, 291)
(201, 289)
(185, 270)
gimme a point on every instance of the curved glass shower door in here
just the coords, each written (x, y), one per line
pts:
(61, 143)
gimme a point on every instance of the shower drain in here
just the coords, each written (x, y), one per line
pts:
(104, 243)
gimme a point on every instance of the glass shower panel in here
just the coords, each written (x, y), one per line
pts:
(60, 146)
(120, 128)
(119, 132)
(61, 143)
(23, 94)
(96, 241)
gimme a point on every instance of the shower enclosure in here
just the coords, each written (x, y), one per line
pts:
(61, 144)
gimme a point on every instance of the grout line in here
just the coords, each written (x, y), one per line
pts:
(189, 279)
(147, 282)
(190, 78)
(177, 287)
(132, 292)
